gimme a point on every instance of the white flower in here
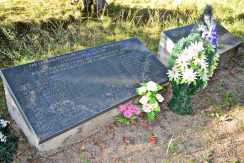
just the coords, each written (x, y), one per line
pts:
(4, 123)
(203, 64)
(187, 53)
(182, 62)
(144, 100)
(174, 73)
(197, 46)
(3, 138)
(152, 86)
(197, 61)
(204, 77)
(202, 27)
(147, 108)
(189, 75)
(159, 97)
(142, 89)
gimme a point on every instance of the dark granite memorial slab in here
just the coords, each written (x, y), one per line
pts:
(227, 45)
(56, 94)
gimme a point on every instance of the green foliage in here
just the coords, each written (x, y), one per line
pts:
(8, 148)
(120, 118)
(229, 98)
(151, 115)
(181, 100)
(171, 147)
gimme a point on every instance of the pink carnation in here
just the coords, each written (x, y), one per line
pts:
(138, 111)
(131, 107)
(127, 114)
(134, 109)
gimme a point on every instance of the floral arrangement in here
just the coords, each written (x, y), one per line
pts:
(148, 103)
(8, 142)
(191, 64)
(150, 98)
(128, 113)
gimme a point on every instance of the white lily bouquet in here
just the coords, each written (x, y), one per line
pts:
(192, 62)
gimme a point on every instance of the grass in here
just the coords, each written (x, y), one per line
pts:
(31, 29)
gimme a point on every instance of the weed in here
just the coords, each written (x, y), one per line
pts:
(229, 99)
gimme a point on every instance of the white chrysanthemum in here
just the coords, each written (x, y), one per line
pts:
(189, 75)
(197, 46)
(174, 73)
(182, 62)
(203, 64)
(187, 54)
(204, 77)
(197, 61)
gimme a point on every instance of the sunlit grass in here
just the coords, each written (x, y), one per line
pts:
(32, 29)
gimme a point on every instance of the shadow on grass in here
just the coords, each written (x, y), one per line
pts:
(33, 39)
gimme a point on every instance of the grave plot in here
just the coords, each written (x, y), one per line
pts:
(74, 94)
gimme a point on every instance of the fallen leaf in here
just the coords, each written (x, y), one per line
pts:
(82, 148)
(232, 73)
(126, 140)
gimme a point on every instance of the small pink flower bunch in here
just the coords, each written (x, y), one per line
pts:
(128, 112)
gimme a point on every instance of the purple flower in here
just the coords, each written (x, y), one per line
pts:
(211, 36)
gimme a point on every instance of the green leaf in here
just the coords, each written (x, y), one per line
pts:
(120, 119)
(182, 81)
(82, 155)
(159, 87)
(148, 94)
(157, 109)
(127, 122)
(177, 80)
(143, 84)
(134, 117)
(152, 100)
(137, 92)
(195, 82)
(151, 115)
(171, 147)
(139, 105)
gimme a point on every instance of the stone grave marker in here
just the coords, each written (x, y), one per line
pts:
(227, 45)
(54, 99)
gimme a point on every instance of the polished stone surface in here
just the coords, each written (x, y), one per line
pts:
(227, 45)
(57, 94)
